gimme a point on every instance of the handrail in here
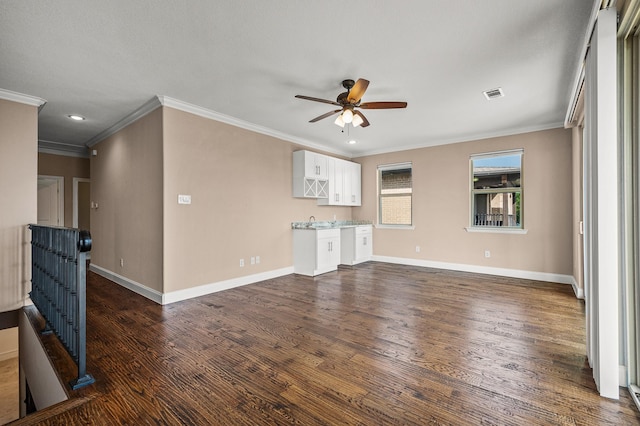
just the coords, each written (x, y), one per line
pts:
(58, 277)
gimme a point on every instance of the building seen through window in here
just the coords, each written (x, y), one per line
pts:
(496, 194)
(395, 194)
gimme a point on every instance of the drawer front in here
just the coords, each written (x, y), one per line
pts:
(328, 233)
(363, 230)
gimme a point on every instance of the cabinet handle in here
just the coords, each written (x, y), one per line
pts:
(364, 241)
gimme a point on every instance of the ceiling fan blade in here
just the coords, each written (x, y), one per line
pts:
(324, 101)
(358, 89)
(365, 122)
(320, 117)
(383, 105)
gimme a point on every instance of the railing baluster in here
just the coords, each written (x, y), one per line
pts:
(59, 288)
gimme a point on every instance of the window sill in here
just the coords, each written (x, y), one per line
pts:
(496, 230)
(410, 227)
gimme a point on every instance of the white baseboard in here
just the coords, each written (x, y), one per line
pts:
(8, 355)
(579, 292)
(503, 272)
(188, 293)
(125, 282)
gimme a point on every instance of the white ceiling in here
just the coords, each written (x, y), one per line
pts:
(247, 59)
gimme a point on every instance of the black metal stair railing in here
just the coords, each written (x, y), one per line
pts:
(59, 266)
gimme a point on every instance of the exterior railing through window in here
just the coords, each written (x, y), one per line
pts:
(495, 219)
(58, 278)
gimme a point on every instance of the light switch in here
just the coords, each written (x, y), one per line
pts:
(184, 199)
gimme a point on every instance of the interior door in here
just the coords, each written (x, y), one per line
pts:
(50, 201)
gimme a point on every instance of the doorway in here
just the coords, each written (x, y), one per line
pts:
(81, 203)
(51, 200)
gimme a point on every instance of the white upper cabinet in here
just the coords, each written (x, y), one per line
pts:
(344, 184)
(334, 182)
(310, 175)
(315, 165)
(352, 185)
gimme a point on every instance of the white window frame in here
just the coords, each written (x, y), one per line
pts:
(473, 192)
(387, 167)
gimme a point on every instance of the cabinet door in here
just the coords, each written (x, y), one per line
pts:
(363, 247)
(315, 165)
(363, 243)
(334, 252)
(327, 249)
(347, 183)
(335, 187)
(328, 252)
(355, 198)
(322, 166)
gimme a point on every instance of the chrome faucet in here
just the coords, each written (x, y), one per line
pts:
(312, 217)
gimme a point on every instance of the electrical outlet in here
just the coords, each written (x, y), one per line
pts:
(184, 199)
(257, 259)
(242, 263)
(487, 253)
(121, 263)
(417, 249)
(253, 260)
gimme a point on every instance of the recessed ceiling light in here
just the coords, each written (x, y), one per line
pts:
(351, 142)
(76, 117)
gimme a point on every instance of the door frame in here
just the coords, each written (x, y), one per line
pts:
(60, 183)
(76, 180)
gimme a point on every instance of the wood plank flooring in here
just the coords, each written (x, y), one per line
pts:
(9, 395)
(376, 344)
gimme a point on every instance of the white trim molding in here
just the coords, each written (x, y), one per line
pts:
(166, 101)
(149, 106)
(8, 355)
(496, 230)
(579, 292)
(189, 293)
(213, 115)
(127, 283)
(60, 148)
(502, 272)
(22, 98)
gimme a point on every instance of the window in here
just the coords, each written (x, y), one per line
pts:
(496, 190)
(394, 195)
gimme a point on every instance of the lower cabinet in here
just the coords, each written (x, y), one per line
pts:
(356, 244)
(316, 251)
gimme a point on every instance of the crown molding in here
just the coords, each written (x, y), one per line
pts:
(470, 138)
(22, 98)
(213, 115)
(60, 148)
(145, 109)
(169, 102)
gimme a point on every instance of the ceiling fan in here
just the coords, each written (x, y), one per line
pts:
(348, 102)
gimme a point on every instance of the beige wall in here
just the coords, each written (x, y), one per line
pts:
(441, 205)
(240, 184)
(18, 171)
(126, 182)
(67, 167)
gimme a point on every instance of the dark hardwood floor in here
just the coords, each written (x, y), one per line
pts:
(371, 345)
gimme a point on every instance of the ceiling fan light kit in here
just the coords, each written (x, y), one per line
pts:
(349, 101)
